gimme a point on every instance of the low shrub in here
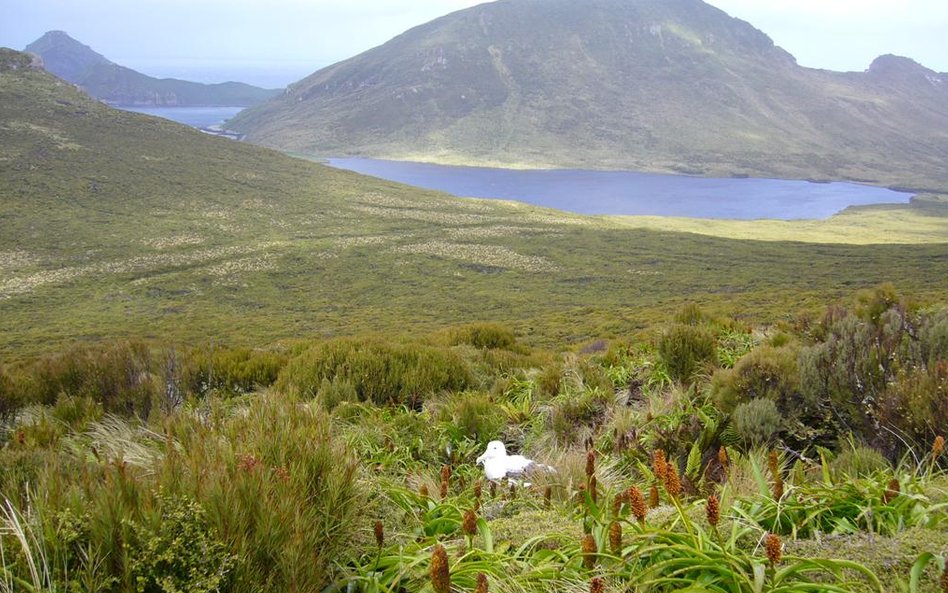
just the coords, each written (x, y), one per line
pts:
(915, 405)
(10, 398)
(933, 337)
(232, 370)
(482, 335)
(764, 373)
(180, 553)
(335, 392)
(473, 415)
(857, 460)
(686, 350)
(549, 380)
(572, 417)
(381, 372)
(76, 412)
(117, 375)
(690, 314)
(758, 421)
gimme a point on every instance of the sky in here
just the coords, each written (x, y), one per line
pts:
(275, 42)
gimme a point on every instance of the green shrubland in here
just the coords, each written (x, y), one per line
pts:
(255, 470)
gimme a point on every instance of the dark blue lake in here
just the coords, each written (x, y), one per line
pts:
(630, 193)
(198, 117)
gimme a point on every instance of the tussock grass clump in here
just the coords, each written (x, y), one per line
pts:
(263, 499)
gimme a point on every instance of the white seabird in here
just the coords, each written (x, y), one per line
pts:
(499, 465)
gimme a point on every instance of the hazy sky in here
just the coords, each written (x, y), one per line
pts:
(273, 42)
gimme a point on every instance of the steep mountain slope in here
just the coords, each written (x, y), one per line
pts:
(649, 84)
(118, 224)
(77, 63)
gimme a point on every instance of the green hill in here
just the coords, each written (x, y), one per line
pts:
(671, 85)
(118, 224)
(79, 64)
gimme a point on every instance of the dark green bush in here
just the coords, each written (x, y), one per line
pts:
(10, 398)
(483, 335)
(766, 372)
(685, 350)
(118, 375)
(233, 370)
(757, 421)
(381, 372)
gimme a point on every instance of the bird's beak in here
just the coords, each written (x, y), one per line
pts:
(479, 460)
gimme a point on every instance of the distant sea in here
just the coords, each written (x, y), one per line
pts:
(197, 117)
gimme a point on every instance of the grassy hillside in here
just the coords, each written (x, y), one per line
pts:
(646, 84)
(117, 224)
(103, 79)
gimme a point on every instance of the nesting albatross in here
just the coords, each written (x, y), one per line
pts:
(499, 465)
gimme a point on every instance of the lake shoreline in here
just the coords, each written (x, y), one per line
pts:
(634, 193)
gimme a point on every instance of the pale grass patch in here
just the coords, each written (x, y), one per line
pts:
(236, 267)
(217, 214)
(489, 232)
(63, 142)
(26, 284)
(346, 242)
(490, 255)
(175, 241)
(12, 260)
(438, 217)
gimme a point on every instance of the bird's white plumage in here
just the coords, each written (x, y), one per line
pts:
(499, 465)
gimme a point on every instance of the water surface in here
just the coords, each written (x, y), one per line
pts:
(197, 117)
(631, 193)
